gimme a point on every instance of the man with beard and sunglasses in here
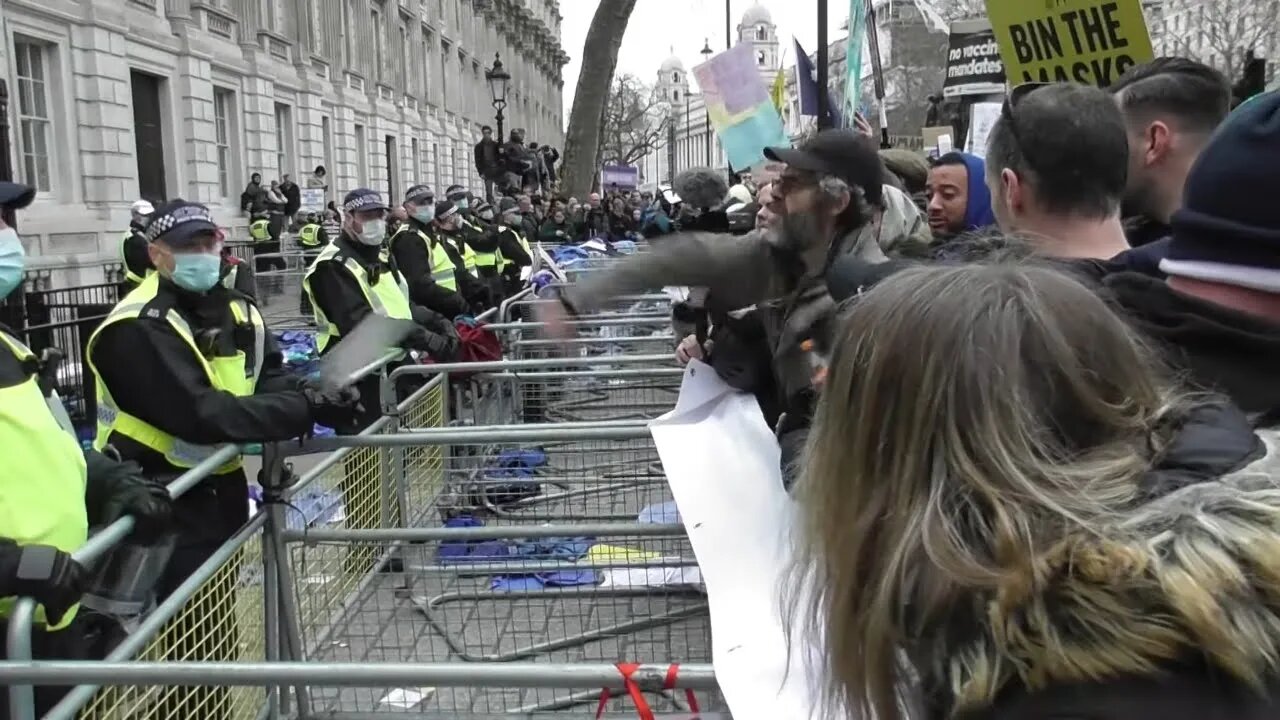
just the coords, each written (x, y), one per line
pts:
(826, 189)
(1057, 163)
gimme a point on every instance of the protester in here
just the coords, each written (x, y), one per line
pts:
(823, 220)
(1057, 162)
(1171, 106)
(912, 171)
(488, 161)
(556, 229)
(770, 211)
(1218, 315)
(134, 255)
(959, 200)
(1053, 527)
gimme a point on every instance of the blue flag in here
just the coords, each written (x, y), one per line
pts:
(807, 88)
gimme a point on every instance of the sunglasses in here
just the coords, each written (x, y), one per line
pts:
(1009, 119)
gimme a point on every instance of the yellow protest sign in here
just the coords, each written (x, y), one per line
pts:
(1084, 41)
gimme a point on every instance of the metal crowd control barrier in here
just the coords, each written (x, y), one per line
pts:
(485, 569)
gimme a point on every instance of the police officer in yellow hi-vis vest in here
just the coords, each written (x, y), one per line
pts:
(133, 246)
(312, 238)
(424, 260)
(184, 365)
(354, 276)
(463, 246)
(51, 491)
(517, 254)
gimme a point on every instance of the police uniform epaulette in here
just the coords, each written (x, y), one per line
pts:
(157, 307)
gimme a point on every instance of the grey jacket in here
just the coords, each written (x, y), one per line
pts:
(738, 271)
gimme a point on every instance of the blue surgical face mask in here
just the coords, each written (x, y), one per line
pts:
(425, 214)
(197, 272)
(462, 204)
(13, 259)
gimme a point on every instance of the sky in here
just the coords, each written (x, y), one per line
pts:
(659, 27)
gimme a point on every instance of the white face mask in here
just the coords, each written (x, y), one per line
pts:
(373, 232)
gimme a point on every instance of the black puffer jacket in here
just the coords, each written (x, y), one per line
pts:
(1171, 611)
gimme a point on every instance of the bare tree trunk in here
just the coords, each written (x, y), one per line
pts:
(599, 58)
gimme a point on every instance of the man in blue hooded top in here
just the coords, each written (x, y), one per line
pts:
(959, 200)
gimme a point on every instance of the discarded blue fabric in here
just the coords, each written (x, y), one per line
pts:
(660, 514)
(541, 581)
(625, 247)
(518, 463)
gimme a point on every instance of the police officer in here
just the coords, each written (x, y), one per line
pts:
(516, 251)
(449, 228)
(52, 491)
(133, 246)
(355, 275)
(183, 365)
(422, 257)
(311, 239)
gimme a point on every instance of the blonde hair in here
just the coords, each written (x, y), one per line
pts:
(971, 415)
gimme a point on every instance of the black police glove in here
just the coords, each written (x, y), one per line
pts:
(147, 501)
(333, 407)
(45, 573)
(442, 347)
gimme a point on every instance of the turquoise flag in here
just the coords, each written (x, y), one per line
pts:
(853, 58)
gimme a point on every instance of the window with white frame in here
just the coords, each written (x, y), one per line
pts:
(35, 128)
(284, 138)
(380, 54)
(415, 153)
(362, 157)
(428, 59)
(405, 57)
(223, 112)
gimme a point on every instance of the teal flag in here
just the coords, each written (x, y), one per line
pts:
(853, 58)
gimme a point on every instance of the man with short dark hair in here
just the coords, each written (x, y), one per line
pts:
(488, 160)
(1057, 162)
(1171, 106)
(1217, 316)
(959, 200)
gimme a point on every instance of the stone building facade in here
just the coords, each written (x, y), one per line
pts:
(112, 100)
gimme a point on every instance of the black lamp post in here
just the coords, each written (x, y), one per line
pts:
(706, 111)
(497, 77)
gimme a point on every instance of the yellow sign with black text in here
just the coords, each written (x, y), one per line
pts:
(1084, 41)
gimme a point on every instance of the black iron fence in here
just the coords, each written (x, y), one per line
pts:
(64, 319)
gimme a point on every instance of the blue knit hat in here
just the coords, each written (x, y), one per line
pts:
(1228, 230)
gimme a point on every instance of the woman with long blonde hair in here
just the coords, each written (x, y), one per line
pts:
(1009, 512)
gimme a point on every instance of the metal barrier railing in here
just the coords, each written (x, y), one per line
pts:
(289, 619)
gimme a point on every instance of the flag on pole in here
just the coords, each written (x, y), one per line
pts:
(807, 88)
(853, 56)
(778, 89)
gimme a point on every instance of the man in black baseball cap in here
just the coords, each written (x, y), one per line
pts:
(825, 187)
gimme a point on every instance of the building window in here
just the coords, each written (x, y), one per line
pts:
(675, 77)
(223, 111)
(675, 95)
(762, 32)
(379, 52)
(444, 75)
(760, 58)
(416, 157)
(428, 59)
(284, 138)
(362, 157)
(34, 126)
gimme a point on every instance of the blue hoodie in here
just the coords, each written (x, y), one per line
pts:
(978, 213)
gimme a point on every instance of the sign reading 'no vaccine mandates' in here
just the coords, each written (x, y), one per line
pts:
(973, 60)
(1085, 41)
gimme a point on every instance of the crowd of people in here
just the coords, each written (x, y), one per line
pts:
(1028, 403)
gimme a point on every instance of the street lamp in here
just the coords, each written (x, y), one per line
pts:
(497, 78)
(706, 110)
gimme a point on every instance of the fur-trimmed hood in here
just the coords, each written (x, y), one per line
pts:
(1186, 581)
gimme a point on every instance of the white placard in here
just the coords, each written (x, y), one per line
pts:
(722, 463)
(982, 117)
